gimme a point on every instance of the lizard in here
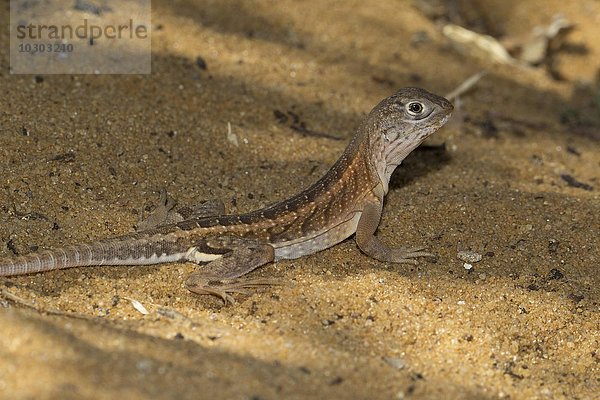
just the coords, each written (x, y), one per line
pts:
(347, 200)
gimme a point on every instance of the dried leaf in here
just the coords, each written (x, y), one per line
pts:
(232, 137)
(478, 45)
(138, 306)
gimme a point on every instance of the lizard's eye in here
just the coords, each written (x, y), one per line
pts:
(415, 108)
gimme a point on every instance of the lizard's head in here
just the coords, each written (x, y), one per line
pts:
(400, 123)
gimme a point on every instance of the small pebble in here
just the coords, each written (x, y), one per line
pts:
(469, 256)
(555, 274)
(201, 63)
(395, 362)
(468, 266)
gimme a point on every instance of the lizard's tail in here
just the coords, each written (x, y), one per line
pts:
(109, 252)
(67, 257)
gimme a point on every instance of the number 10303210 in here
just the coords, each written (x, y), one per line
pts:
(34, 48)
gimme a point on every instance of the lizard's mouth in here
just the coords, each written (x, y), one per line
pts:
(446, 118)
(430, 130)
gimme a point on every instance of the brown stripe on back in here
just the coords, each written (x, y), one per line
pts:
(299, 207)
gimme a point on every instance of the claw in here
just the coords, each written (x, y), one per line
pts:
(209, 290)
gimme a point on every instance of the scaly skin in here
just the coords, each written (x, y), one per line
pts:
(347, 200)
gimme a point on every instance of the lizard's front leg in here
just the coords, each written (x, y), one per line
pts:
(373, 247)
(229, 258)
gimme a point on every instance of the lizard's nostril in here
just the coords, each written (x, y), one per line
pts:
(447, 105)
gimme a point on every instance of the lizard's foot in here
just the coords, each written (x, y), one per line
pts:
(232, 257)
(201, 285)
(375, 248)
(163, 214)
(407, 255)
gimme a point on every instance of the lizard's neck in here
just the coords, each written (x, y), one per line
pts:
(385, 157)
(353, 175)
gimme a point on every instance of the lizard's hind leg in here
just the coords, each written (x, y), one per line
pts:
(229, 258)
(166, 213)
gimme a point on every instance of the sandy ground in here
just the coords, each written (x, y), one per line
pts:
(83, 156)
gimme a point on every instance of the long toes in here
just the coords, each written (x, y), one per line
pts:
(207, 290)
(419, 254)
(254, 283)
(405, 255)
(407, 261)
(411, 249)
(223, 289)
